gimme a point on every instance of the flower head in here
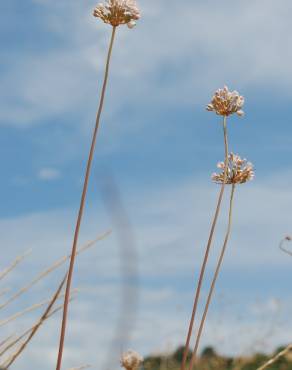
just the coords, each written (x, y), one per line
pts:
(239, 171)
(117, 12)
(225, 102)
(131, 360)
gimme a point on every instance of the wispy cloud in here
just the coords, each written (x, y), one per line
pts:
(170, 224)
(175, 58)
(49, 174)
(192, 48)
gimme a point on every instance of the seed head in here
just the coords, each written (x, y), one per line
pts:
(225, 102)
(239, 171)
(131, 360)
(117, 12)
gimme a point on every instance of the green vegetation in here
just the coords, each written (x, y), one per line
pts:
(210, 360)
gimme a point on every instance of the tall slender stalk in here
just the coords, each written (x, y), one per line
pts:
(206, 256)
(214, 279)
(82, 202)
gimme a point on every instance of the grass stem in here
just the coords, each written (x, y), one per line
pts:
(82, 203)
(214, 279)
(276, 358)
(14, 356)
(207, 251)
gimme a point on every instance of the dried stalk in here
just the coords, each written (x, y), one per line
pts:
(6, 340)
(16, 262)
(213, 280)
(276, 358)
(82, 203)
(26, 332)
(26, 310)
(206, 256)
(52, 268)
(14, 356)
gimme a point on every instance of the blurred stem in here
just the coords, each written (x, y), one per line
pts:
(206, 256)
(284, 249)
(276, 358)
(82, 202)
(214, 279)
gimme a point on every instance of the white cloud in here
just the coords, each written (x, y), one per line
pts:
(171, 227)
(49, 174)
(177, 55)
(192, 49)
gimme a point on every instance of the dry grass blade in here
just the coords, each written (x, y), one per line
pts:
(46, 272)
(42, 319)
(16, 262)
(4, 291)
(27, 310)
(6, 340)
(26, 332)
(276, 358)
(80, 367)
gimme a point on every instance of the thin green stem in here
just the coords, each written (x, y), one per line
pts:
(82, 202)
(207, 250)
(219, 263)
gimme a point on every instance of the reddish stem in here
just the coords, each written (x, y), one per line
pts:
(81, 208)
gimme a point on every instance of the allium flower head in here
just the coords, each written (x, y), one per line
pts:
(117, 12)
(239, 171)
(131, 360)
(225, 102)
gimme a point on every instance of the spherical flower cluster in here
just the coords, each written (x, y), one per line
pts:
(131, 360)
(225, 102)
(117, 12)
(239, 171)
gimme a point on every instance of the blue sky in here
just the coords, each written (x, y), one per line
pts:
(160, 145)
